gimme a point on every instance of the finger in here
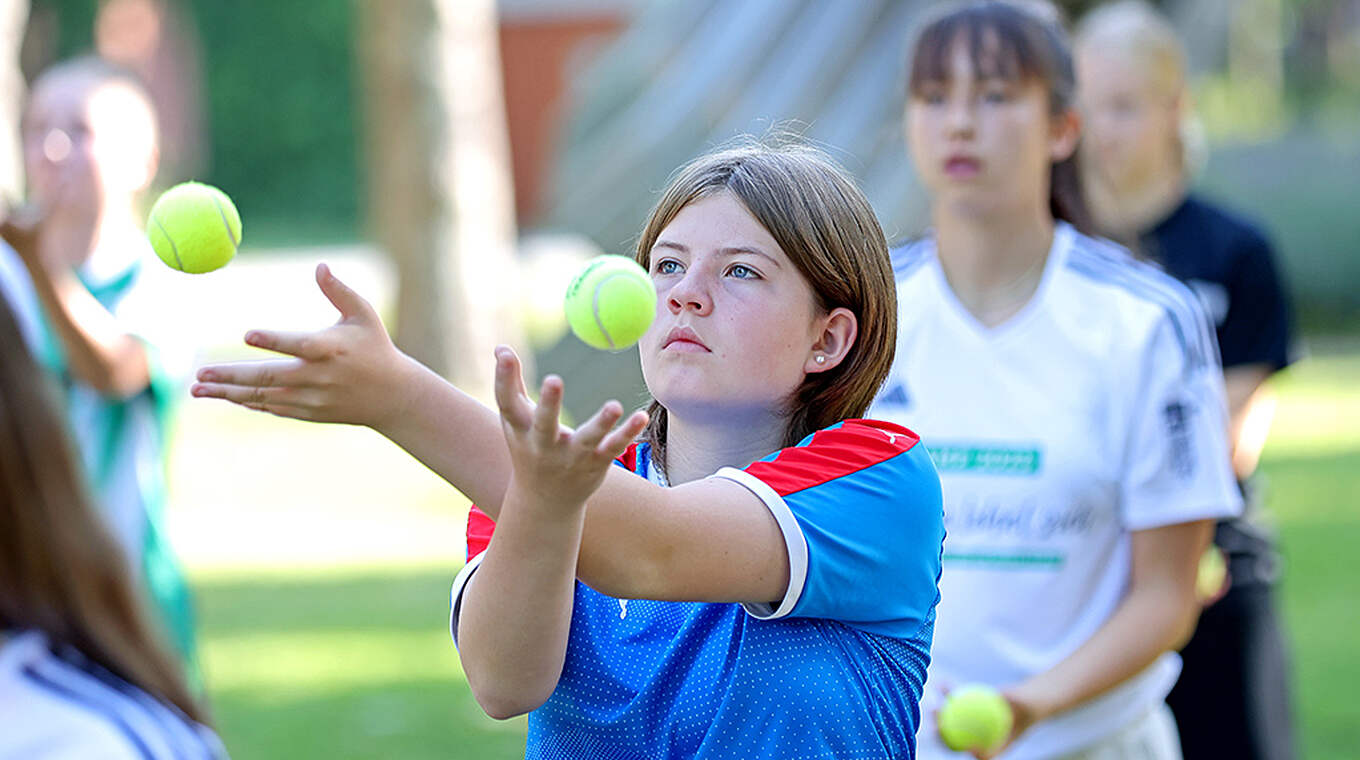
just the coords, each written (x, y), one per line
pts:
(350, 304)
(304, 345)
(617, 441)
(593, 430)
(549, 410)
(283, 410)
(511, 399)
(247, 394)
(272, 372)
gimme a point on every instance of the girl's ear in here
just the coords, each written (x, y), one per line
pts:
(839, 330)
(1064, 135)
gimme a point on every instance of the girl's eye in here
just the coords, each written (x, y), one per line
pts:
(667, 266)
(931, 96)
(741, 271)
(996, 96)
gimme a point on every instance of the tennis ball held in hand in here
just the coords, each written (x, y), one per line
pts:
(1213, 571)
(975, 718)
(194, 228)
(611, 303)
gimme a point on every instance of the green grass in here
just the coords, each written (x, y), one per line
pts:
(357, 663)
(1312, 476)
(342, 666)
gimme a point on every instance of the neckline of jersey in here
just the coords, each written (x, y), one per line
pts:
(1057, 253)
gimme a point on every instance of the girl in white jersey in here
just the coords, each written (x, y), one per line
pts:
(82, 671)
(1070, 396)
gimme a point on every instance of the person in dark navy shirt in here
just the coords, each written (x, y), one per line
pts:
(1232, 699)
(1228, 262)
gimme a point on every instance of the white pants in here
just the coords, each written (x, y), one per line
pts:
(1152, 737)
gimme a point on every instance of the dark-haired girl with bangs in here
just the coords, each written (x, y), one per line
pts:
(1071, 398)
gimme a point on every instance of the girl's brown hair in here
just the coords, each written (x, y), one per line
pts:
(61, 571)
(1010, 40)
(825, 225)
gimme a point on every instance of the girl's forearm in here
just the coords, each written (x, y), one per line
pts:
(461, 441)
(1147, 623)
(98, 351)
(452, 433)
(515, 613)
(639, 540)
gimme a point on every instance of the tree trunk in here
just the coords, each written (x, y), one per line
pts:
(439, 185)
(13, 17)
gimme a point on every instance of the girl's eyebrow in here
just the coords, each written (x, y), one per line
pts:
(734, 250)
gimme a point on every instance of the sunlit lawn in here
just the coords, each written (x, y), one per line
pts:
(352, 659)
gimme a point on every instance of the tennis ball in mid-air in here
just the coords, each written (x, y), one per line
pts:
(1213, 570)
(611, 302)
(975, 718)
(194, 228)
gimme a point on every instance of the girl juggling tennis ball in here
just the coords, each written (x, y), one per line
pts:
(1072, 400)
(747, 570)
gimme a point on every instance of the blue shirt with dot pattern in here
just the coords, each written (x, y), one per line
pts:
(840, 675)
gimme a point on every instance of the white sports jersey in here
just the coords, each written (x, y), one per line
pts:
(56, 704)
(1095, 411)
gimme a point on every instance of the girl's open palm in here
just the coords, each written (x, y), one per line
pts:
(550, 460)
(350, 372)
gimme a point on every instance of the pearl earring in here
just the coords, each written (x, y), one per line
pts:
(821, 359)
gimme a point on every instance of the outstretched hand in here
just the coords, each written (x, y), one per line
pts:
(350, 372)
(23, 224)
(551, 461)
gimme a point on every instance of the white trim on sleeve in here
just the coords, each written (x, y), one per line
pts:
(460, 582)
(794, 540)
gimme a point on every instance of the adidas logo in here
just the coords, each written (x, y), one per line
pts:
(896, 395)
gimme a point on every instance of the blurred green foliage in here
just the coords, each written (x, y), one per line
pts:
(282, 100)
(1302, 187)
(282, 108)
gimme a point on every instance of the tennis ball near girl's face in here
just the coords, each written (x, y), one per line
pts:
(975, 718)
(194, 228)
(611, 303)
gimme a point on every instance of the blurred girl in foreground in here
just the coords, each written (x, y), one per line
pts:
(82, 674)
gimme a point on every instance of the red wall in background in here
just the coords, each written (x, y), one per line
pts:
(535, 56)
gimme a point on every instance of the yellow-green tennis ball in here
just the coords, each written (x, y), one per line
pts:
(1213, 571)
(194, 228)
(975, 718)
(611, 303)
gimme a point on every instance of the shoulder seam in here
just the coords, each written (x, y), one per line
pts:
(909, 256)
(1105, 263)
(70, 695)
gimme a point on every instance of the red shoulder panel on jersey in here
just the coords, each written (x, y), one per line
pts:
(833, 453)
(480, 526)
